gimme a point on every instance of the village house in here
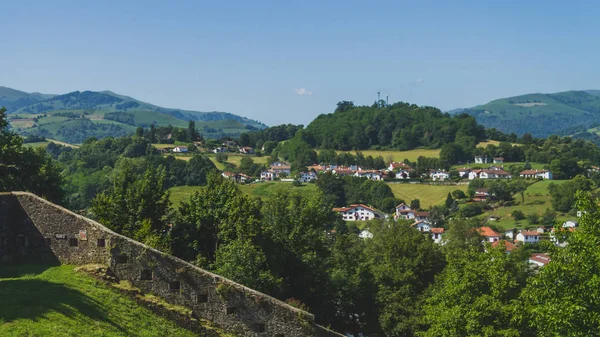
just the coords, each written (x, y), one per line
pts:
(316, 168)
(280, 168)
(399, 166)
(403, 174)
(481, 194)
(463, 172)
(180, 149)
(422, 226)
(541, 174)
(422, 216)
(489, 234)
(492, 173)
(219, 149)
(570, 224)
(237, 177)
(370, 174)
(439, 175)
(358, 212)
(508, 246)
(404, 212)
(498, 160)
(559, 237)
(343, 172)
(267, 176)
(510, 233)
(528, 237)
(539, 259)
(305, 177)
(436, 234)
(246, 150)
(482, 159)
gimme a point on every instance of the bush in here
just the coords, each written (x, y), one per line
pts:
(533, 218)
(517, 215)
(222, 157)
(471, 210)
(458, 194)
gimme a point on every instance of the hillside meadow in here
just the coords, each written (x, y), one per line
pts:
(58, 301)
(397, 156)
(428, 195)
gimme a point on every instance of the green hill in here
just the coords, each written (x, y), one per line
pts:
(75, 116)
(59, 301)
(540, 114)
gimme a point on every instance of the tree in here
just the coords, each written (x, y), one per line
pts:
(533, 218)
(458, 194)
(452, 153)
(221, 157)
(563, 195)
(415, 204)
(449, 200)
(403, 263)
(132, 200)
(519, 186)
(475, 293)
(517, 215)
(562, 298)
(332, 188)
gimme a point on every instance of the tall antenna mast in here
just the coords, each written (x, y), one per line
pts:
(378, 96)
(387, 102)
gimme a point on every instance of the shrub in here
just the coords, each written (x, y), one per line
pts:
(517, 215)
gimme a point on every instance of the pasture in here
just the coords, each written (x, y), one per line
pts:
(428, 195)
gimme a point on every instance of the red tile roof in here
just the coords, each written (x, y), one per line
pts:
(530, 233)
(422, 214)
(488, 232)
(508, 245)
(528, 172)
(540, 257)
(341, 209)
(437, 230)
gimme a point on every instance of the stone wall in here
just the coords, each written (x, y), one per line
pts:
(34, 229)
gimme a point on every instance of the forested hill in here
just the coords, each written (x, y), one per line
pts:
(400, 126)
(75, 116)
(539, 114)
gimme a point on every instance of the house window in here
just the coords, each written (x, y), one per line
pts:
(146, 275)
(101, 243)
(202, 298)
(174, 286)
(73, 242)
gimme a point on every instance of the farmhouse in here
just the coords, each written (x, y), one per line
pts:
(180, 149)
(439, 175)
(399, 166)
(570, 224)
(463, 172)
(489, 234)
(404, 212)
(481, 194)
(307, 176)
(246, 150)
(543, 174)
(237, 177)
(422, 216)
(357, 212)
(482, 159)
(422, 226)
(219, 149)
(279, 167)
(492, 173)
(498, 160)
(370, 174)
(436, 234)
(528, 237)
(267, 176)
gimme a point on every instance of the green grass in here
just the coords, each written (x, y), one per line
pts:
(264, 190)
(537, 200)
(428, 195)
(37, 144)
(58, 301)
(398, 156)
(506, 165)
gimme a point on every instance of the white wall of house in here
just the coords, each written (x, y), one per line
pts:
(423, 226)
(528, 237)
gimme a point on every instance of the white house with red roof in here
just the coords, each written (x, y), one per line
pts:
(439, 175)
(246, 150)
(489, 174)
(404, 212)
(267, 175)
(539, 259)
(370, 174)
(358, 212)
(463, 172)
(422, 216)
(528, 237)
(498, 160)
(436, 234)
(543, 174)
(489, 234)
(180, 149)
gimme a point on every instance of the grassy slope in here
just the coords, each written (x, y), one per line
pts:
(397, 156)
(537, 200)
(265, 190)
(428, 195)
(58, 301)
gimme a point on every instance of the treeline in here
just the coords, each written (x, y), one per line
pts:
(399, 126)
(90, 169)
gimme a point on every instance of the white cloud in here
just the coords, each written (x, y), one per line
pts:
(303, 92)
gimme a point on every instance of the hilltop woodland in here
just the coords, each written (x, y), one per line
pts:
(293, 247)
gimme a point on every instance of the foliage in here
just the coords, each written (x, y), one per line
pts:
(400, 125)
(518, 215)
(563, 195)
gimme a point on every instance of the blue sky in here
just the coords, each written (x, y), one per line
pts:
(287, 62)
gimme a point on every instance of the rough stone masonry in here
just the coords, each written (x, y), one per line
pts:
(35, 230)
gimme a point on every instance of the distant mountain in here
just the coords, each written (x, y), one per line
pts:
(13, 99)
(105, 113)
(540, 114)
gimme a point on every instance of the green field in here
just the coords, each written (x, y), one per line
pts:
(428, 195)
(264, 190)
(537, 200)
(398, 156)
(59, 301)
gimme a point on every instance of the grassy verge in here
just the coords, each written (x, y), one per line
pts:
(57, 301)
